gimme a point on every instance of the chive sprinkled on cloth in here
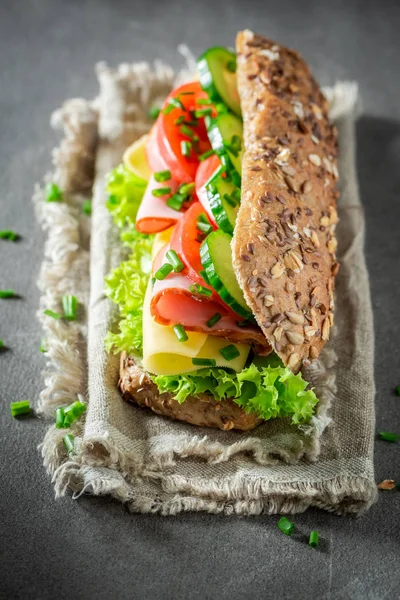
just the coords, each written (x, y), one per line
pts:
(186, 148)
(52, 314)
(1, 344)
(213, 320)
(161, 176)
(154, 112)
(163, 271)
(162, 191)
(73, 412)
(43, 346)
(87, 207)
(69, 443)
(8, 234)
(20, 408)
(53, 193)
(229, 352)
(286, 526)
(70, 305)
(397, 390)
(60, 419)
(180, 333)
(175, 261)
(199, 289)
(389, 437)
(314, 539)
(204, 362)
(5, 294)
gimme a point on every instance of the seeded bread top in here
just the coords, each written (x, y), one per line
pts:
(284, 242)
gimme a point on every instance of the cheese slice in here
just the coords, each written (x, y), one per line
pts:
(163, 354)
(135, 159)
(160, 239)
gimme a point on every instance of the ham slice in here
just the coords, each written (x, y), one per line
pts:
(173, 302)
(154, 215)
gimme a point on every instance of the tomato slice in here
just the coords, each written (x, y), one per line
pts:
(169, 135)
(185, 242)
(206, 169)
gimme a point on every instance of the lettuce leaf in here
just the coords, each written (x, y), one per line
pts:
(126, 285)
(270, 391)
(125, 194)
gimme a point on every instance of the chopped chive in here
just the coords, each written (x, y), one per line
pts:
(161, 176)
(230, 200)
(191, 123)
(397, 391)
(186, 148)
(70, 304)
(229, 352)
(314, 539)
(69, 443)
(204, 362)
(199, 289)
(180, 333)
(163, 271)
(60, 419)
(172, 104)
(7, 234)
(73, 412)
(202, 112)
(52, 314)
(20, 408)
(87, 207)
(175, 202)
(204, 275)
(242, 323)
(388, 437)
(204, 227)
(163, 191)
(202, 218)
(153, 280)
(203, 101)
(206, 155)
(186, 188)
(53, 193)
(187, 131)
(154, 112)
(186, 94)
(7, 294)
(231, 65)
(1, 344)
(221, 108)
(43, 347)
(179, 120)
(286, 526)
(175, 261)
(213, 320)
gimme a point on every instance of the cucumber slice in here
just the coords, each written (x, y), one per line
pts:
(225, 133)
(217, 74)
(223, 199)
(216, 258)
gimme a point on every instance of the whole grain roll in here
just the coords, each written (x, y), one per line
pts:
(284, 242)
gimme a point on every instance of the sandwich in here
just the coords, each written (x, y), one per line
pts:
(228, 208)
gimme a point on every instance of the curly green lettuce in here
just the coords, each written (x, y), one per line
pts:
(126, 285)
(265, 387)
(269, 391)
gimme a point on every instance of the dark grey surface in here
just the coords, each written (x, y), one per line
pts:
(93, 548)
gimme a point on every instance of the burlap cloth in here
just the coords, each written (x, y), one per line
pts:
(152, 463)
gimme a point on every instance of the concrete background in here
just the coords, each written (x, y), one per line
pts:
(93, 548)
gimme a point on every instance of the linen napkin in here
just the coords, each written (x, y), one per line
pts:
(152, 463)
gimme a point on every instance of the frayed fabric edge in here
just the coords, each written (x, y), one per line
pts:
(72, 473)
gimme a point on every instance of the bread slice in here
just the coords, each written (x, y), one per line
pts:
(137, 387)
(284, 242)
